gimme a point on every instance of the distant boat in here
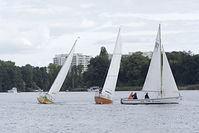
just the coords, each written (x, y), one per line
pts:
(46, 98)
(93, 89)
(106, 95)
(38, 90)
(13, 90)
(159, 84)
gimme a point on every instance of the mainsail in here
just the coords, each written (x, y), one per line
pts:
(153, 79)
(111, 78)
(57, 84)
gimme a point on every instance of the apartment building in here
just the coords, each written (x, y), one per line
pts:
(78, 59)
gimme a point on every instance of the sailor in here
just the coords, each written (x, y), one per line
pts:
(100, 90)
(131, 95)
(45, 96)
(135, 96)
(146, 96)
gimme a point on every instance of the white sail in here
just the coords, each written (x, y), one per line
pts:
(168, 82)
(111, 78)
(57, 84)
(153, 79)
(159, 80)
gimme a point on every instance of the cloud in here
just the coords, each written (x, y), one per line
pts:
(34, 31)
(21, 39)
(157, 16)
(87, 5)
(87, 24)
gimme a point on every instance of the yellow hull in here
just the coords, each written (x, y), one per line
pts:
(44, 100)
(101, 100)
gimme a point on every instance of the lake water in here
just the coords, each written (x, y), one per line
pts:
(76, 112)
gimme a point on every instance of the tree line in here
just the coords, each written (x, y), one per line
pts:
(133, 70)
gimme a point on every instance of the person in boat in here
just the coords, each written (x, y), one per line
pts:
(131, 95)
(135, 96)
(146, 96)
(100, 90)
(45, 96)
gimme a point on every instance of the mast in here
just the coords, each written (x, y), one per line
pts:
(161, 61)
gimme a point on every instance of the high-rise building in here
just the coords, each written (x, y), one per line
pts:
(78, 59)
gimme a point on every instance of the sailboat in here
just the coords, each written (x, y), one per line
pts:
(106, 95)
(159, 84)
(48, 97)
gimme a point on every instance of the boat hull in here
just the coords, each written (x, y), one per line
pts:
(101, 100)
(169, 100)
(44, 100)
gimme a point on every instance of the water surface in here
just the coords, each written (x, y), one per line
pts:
(75, 112)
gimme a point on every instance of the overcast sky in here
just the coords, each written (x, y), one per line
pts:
(33, 31)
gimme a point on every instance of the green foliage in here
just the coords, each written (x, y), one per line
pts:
(97, 70)
(185, 67)
(74, 78)
(10, 76)
(27, 75)
(40, 77)
(133, 70)
(103, 52)
(53, 70)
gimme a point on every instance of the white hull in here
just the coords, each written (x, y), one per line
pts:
(13, 90)
(169, 100)
(93, 90)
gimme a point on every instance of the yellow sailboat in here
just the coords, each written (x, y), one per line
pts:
(48, 97)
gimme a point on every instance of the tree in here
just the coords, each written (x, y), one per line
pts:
(40, 77)
(74, 78)
(133, 70)
(27, 76)
(10, 76)
(103, 52)
(53, 70)
(97, 69)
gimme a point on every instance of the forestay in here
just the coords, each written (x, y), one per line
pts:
(111, 78)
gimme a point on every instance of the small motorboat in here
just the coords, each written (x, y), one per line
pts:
(13, 90)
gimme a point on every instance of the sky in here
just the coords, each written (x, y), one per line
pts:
(34, 31)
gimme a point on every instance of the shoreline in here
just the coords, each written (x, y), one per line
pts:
(127, 88)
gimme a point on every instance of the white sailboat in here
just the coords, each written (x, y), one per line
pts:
(106, 95)
(159, 83)
(46, 98)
